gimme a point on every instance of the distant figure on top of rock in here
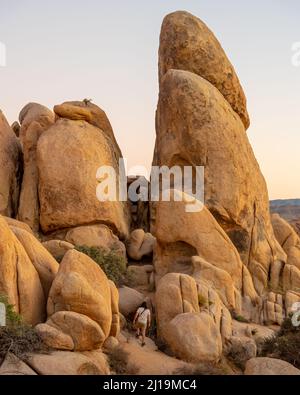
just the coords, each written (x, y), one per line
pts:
(87, 101)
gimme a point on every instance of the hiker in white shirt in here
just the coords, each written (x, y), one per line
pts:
(142, 321)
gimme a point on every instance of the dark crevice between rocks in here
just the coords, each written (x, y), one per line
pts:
(181, 293)
(252, 234)
(17, 278)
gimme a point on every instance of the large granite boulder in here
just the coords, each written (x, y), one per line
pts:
(182, 236)
(197, 127)
(19, 279)
(100, 236)
(34, 120)
(82, 306)
(270, 367)
(68, 157)
(186, 43)
(44, 263)
(191, 334)
(87, 111)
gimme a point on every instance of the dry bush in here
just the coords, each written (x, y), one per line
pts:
(284, 345)
(200, 369)
(20, 341)
(119, 362)
(237, 357)
(17, 337)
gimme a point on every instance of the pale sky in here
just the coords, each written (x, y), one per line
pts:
(107, 51)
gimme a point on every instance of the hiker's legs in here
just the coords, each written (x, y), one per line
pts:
(143, 334)
(138, 332)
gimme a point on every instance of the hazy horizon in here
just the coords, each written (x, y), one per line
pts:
(108, 51)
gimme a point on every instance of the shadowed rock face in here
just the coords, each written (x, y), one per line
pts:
(19, 279)
(186, 43)
(34, 120)
(10, 169)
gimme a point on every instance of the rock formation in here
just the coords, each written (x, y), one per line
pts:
(58, 248)
(82, 306)
(288, 209)
(19, 279)
(10, 169)
(191, 109)
(79, 300)
(192, 335)
(186, 43)
(130, 300)
(34, 119)
(73, 306)
(69, 363)
(288, 239)
(67, 187)
(219, 280)
(100, 236)
(88, 112)
(43, 262)
(139, 210)
(58, 189)
(270, 366)
(140, 244)
(229, 247)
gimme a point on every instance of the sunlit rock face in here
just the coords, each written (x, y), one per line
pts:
(68, 157)
(201, 121)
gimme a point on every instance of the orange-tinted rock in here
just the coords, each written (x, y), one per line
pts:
(186, 43)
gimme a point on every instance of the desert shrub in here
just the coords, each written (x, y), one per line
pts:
(237, 359)
(287, 327)
(284, 345)
(12, 318)
(113, 265)
(20, 340)
(239, 354)
(200, 369)
(118, 360)
(17, 337)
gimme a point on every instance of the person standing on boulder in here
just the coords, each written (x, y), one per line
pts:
(142, 321)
